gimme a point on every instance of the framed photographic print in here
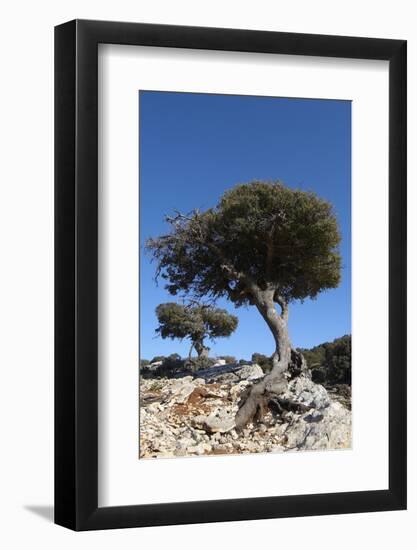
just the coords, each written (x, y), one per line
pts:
(230, 245)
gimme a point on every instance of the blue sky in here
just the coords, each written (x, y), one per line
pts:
(195, 146)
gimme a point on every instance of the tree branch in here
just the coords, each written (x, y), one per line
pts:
(283, 305)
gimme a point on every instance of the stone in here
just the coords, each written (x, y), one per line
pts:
(250, 372)
(227, 377)
(277, 448)
(315, 416)
(231, 373)
(331, 431)
(201, 448)
(184, 443)
(182, 392)
(237, 389)
(218, 421)
(304, 390)
(190, 416)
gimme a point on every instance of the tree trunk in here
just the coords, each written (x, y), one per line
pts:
(201, 349)
(255, 403)
(191, 350)
(278, 325)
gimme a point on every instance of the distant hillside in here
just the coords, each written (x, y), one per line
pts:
(330, 362)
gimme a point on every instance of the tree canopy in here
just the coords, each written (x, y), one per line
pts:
(195, 322)
(260, 233)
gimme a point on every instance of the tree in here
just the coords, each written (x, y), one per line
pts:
(330, 362)
(196, 322)
(264, 244)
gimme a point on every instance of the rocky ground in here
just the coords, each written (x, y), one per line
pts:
(194, 415)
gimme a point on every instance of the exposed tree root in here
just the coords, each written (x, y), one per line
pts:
(279, 405)
(267, 394)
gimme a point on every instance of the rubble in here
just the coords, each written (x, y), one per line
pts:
(195, 416)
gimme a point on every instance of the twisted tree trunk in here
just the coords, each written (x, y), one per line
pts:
(255, 403)
(201, 349)
(191, 350)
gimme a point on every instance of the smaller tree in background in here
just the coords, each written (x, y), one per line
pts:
(195, 322)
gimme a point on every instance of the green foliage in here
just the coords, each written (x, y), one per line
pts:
(197, 363)
(194, 322)
(331, 362)
(314, 356)
(144, 363)
(260, 232)
(172, 363)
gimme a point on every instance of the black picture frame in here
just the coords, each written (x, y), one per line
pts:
(76, 272)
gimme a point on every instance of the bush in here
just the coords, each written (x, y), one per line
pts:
(158, 358)
(330, 363)
(144, 363)
(170, 365)
(172, 362)
(318, 375)
(198, 363)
